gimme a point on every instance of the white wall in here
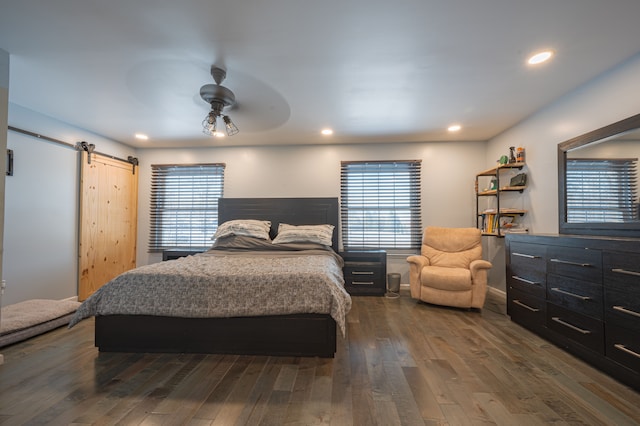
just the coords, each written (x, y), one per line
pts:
(4, 106)
(607, 99)
(448, 171)
(41, 217)
(41, 222)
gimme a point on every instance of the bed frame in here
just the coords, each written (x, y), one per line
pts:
(287, 335)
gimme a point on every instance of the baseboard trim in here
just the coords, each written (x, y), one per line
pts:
(498, 292)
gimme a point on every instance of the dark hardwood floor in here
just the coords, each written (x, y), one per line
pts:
(402, 363)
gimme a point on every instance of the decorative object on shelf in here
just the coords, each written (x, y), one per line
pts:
(503, 160)
(519, 180)
(520, 155)
(494, 185)
(219, 97)
(512, 155)
(506, 221)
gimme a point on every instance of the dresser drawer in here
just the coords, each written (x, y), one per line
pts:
(579, 296)
(532, 285)
(526, 309)
(529, 258)
(364, 278)
(527, 268)
(362, 271)
(622, 272)
(623, 346)
(587, 331)
(581, 264)
(622, 267)
(622, 308)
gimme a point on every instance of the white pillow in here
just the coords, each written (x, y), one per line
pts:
(319, 234)
(247, 227)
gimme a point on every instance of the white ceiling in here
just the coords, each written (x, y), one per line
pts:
(374, 71)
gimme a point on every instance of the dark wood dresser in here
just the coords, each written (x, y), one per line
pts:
(582, 294)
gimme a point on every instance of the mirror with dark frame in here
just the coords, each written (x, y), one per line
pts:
(598, 181)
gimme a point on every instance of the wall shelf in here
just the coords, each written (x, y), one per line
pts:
(492, 221)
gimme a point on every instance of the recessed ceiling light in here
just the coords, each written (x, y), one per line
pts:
(141, 136)
(540, 57)
(326, 132)
(454, 128)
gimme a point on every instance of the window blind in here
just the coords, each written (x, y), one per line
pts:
(380, 204)
(601, 190)
(184, 205)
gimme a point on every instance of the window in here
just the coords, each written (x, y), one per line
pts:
(184, 205)
(380, 204)
(601, 190)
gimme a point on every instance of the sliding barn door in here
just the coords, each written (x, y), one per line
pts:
(108, 217)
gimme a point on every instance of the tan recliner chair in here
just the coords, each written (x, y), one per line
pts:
(450, 270)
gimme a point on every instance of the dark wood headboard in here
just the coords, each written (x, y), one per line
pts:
(294, 211)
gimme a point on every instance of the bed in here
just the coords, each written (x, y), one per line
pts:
(261, 327)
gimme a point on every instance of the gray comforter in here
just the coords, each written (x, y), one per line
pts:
(227, 284)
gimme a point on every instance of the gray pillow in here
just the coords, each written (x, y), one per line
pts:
(247, 227)
(319, 234)
(240, 242)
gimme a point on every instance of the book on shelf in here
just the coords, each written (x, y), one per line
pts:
(503, 222)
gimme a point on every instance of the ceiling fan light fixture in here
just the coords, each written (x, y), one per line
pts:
(219, 97)
(232, 129)
(210, 124)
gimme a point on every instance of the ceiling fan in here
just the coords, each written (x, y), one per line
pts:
(219, 97)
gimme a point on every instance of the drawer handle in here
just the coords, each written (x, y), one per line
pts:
(627, 311)
(362, 273)
(626, 272)
(568, 293)
(566, 262)
(571, 326)
(519, 303)
(528, 256)
(515, 277)
(362, 282)
(624, 349)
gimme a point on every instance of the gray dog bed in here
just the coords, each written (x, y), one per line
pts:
(32, 317)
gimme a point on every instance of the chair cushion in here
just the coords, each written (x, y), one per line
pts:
(443, 278)
(460, 259)
(452, 247)
(451, 239)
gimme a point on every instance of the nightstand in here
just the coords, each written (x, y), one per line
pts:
(365, 272)
(171, 254)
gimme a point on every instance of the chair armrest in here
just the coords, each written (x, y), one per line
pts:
(418, 260)
(416, 263)
(477, 265)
